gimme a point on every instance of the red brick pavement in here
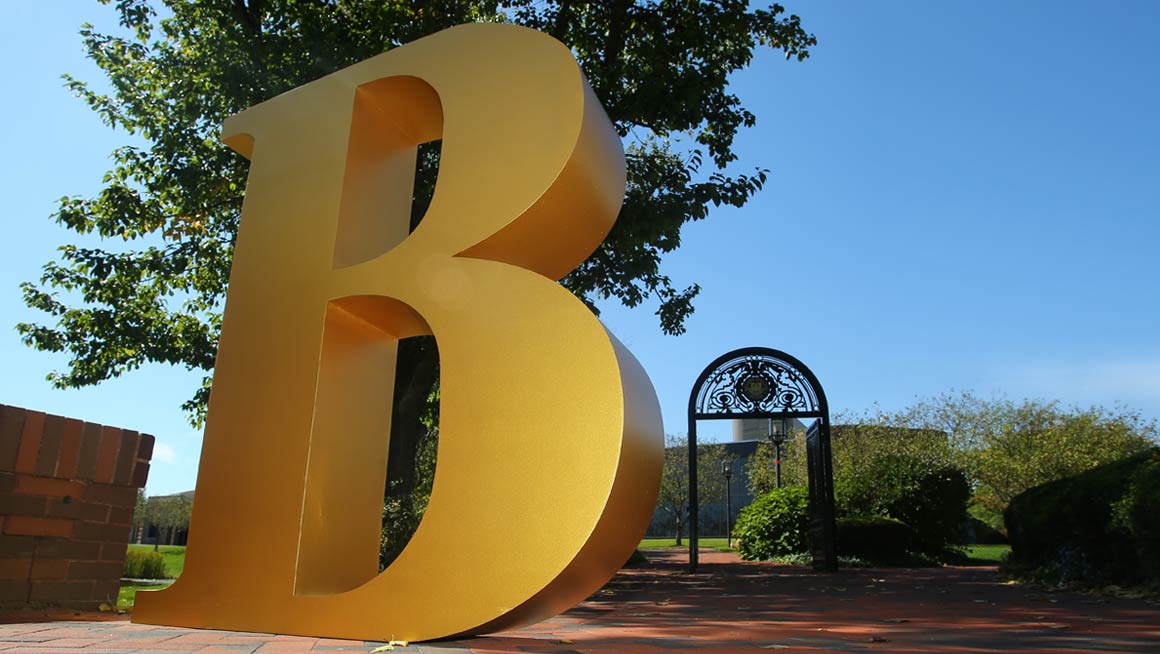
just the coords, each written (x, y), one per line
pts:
(730, 606)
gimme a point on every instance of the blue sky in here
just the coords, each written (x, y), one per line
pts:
(962, 196)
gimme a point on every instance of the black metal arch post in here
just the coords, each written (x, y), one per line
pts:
(763, 383)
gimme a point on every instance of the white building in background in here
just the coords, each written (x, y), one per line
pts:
(752, 429)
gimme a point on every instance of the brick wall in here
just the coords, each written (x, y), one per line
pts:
(67, 493)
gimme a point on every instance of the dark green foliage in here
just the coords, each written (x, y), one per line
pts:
(774, 524)
(1141, 510)
(929, 497)
(144, 564)
(404, 508)
(1095, 528)
(874, 538)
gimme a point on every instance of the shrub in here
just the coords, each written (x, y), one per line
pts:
(774, 524)
(144, 564)
(981, 533)
(874, 538)
(1143, 514)
(931, 498)
(1098, 527)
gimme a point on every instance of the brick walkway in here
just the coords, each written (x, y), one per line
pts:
(730, 607)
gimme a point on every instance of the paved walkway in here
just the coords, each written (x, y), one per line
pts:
(731, 607)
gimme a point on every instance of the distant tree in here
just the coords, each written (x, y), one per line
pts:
(1041, 442)
(1003, 447)
(141, 507)
(165, 514)
(761, 468)
(673, 498)
(860, 446)
(856, 444)
(1007, 447)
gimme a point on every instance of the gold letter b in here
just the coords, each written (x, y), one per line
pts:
(550, 443)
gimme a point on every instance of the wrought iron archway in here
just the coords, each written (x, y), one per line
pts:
(763, 383)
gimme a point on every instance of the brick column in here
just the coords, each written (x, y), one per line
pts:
(67, 493)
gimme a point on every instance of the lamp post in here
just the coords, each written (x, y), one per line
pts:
(727, 471)
(778, 432)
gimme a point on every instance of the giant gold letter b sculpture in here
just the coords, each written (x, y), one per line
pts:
(550, 447)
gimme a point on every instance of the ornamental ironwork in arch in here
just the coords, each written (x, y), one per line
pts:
(760, 382)
(755, 383)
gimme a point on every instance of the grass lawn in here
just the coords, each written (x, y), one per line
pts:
(174, 556)
(128, 594)
(987, 554)
(661, 543)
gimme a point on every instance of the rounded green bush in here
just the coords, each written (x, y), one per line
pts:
(144, 565)
(774, 525)
(877, 539)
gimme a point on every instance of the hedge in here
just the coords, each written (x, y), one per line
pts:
(877, 539)
(1096, 528)
(930, 498)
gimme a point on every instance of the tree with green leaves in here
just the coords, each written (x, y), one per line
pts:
(761, 467)
(856, 445)
(147, 278)
(673, 497)
(1003, 447)
(165, 513)
(1007, 447)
